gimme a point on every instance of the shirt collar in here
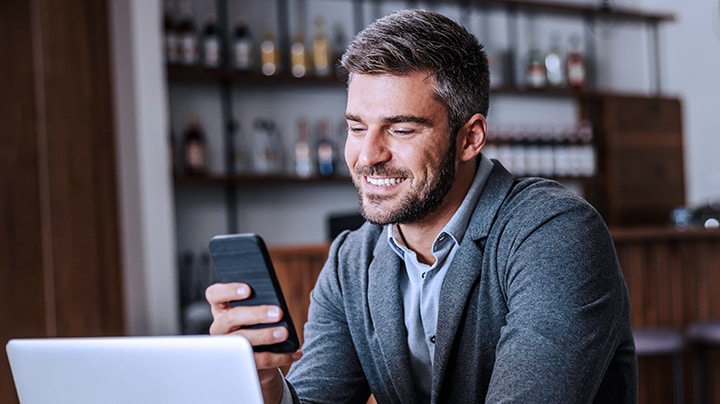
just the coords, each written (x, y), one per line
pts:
(458, 223)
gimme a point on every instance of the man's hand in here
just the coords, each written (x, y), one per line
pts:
(234, 320)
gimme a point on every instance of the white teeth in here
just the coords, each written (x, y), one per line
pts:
(384, 182)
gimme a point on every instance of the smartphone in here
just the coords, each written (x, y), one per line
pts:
(244, 258)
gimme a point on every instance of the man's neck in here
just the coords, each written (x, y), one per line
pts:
(420, 236)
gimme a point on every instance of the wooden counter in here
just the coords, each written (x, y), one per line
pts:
(673, 275)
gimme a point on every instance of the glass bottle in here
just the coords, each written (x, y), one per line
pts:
(536, 77)
(303, 158)
(194, 147)
(325, 149)
(211, 44)
(339, 45)
(298, 57)
(187, 32)
(243, 44)
(554, 63)
(322, 50)
(576, 73)
(267, 147)
(171, 37)
(171, 151)
(269, 54)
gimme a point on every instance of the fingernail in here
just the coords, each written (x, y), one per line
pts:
(242, 290)
(273, 313)
(277, 334)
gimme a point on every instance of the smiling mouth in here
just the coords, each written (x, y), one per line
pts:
(384, 182)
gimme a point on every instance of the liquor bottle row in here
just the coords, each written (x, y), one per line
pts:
(187, 45)
(550, 152)
(263, 150)
(556, 67)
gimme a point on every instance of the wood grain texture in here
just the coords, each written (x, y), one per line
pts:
(59, 231)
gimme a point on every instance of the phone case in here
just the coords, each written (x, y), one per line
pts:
(244, 258)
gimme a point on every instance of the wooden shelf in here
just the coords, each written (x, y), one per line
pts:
(251, 78)
(238, 180)
(255, 79)
(577, 10)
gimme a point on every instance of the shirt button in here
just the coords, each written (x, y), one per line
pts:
(441, 238)
(432, 339)
(422, 275)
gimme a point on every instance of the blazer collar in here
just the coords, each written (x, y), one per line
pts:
(465, 270)
(386, 311)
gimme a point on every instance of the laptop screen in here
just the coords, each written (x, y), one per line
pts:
(139, 370)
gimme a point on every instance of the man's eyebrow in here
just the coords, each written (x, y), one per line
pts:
(408, 119)
(351, 117)
(395, 119)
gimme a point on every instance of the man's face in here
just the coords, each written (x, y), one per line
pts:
(398, 147)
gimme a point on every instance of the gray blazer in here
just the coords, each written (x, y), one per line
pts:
(533, 309)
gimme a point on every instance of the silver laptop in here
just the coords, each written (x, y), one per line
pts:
(137, 370)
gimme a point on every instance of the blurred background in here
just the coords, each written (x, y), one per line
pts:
(134, 131)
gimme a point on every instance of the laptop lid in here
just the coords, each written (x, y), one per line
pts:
(139, 370)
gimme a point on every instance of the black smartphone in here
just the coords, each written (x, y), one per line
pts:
(245, 258)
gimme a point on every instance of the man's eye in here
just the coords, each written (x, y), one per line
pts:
(401, 131)
(356, 129)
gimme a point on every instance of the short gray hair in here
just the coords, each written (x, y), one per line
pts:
(418, 40)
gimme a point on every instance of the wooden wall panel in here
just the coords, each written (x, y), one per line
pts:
(640, 156)
(673, 278)
(60, 272)
(297, 270)
(22, 298)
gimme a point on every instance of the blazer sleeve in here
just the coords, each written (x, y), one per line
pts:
(329, 371)
(567, 302)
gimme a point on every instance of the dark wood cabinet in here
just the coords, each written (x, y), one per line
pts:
(640, 148)
(60, 262)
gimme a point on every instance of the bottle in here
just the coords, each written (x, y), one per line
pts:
(298, 57)
(243, 44)
(211, 45)
(267, 148)
(496, 65)
(554, 63)
(339, 45)
(576, 74)
(194, 147)
(171, 38)
(303, 159)
(241, 155)
(325, 149)
(536, 77)
(340, 140)
(171, 151)
(321, 49)
(269, 54)
(189, 53)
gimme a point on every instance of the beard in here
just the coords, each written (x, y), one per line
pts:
(415, 205)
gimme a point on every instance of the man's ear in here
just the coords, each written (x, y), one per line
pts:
(471, 137)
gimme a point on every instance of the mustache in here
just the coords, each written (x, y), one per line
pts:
(381, 170)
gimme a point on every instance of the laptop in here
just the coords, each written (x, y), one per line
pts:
(139, 370)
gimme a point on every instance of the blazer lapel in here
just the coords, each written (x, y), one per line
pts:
(465, 270)
(386, 310)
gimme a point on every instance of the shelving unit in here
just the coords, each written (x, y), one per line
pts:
(226, 79)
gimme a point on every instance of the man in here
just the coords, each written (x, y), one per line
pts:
(466, 284)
